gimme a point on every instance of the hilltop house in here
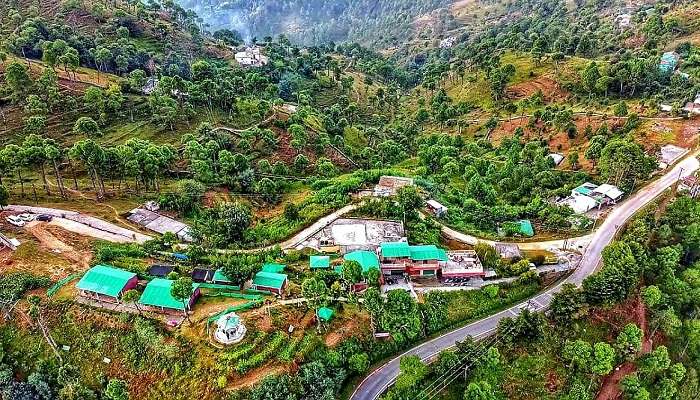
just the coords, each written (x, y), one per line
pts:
(251, 57)
(106, 283)
(436, 208)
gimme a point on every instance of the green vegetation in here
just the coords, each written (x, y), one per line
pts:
(612, 320)
(108, 104)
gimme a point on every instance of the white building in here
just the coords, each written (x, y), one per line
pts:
(694, 107)
(229, 329)
(556, 157)
(436, 208)
(448, 42)
(251, 57)
(589, 196)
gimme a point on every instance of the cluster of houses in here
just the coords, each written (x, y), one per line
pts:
(108, 284)
(589, 196)
(402, 259)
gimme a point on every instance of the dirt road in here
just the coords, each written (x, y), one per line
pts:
(54, 244)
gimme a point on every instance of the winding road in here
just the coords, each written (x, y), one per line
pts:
(381, 378)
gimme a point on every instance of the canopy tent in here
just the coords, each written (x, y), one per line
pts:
(325, 314)
(367, 259)
(319, 262)
(273, 267)
(106, 280)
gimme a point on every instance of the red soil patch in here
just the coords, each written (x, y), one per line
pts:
(254, 377)
(552, 91)
(349, 327)
(286, 153)
(559, 142)
(631, 311)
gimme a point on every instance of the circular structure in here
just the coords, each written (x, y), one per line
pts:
(229, 329)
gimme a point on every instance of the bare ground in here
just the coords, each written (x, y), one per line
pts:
(610, 388)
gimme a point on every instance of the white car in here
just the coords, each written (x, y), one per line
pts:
(14, 220)
(26, 217)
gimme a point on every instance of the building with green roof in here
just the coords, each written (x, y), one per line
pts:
(316, 262)
(325, 314)
(270, 281)
(395, 250)
(399, 258)
(157, 296)
(103, 282)
(220, 278)
(526, 228)
(273, 267)
(427, 253)
(367, 259)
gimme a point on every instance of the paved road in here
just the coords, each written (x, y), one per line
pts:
(380, 379)
(84, 224)
(576, 243)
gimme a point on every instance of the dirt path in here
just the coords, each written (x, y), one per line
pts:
(254, 377)
(610, 388)
(54, 244)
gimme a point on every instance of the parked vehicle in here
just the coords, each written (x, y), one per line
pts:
(44, 218)
(26, 217)
(14, 220)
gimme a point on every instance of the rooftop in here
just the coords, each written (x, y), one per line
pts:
(356, 234)
(319, 262)
(269, 279)
(526, 227)
(395, 249)
(105, 280)
(273, 267)
(610, 191)
(220, 277)
(427, 252)
(462, 262)
(157, 294)
(325, 313)
(367, 259)
(435, 204)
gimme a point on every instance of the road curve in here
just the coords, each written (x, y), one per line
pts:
(381, 378)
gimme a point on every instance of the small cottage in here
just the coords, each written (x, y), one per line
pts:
(106, 283)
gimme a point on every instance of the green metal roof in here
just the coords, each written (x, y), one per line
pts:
(319, 262)
(219, 276)
(526, 227)
(367, 259)
(325, 313)
(427, 252)
(157, 294)
(583, 190)
(269, 279)
(273, 267)
(105, 280)
(395, 249)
